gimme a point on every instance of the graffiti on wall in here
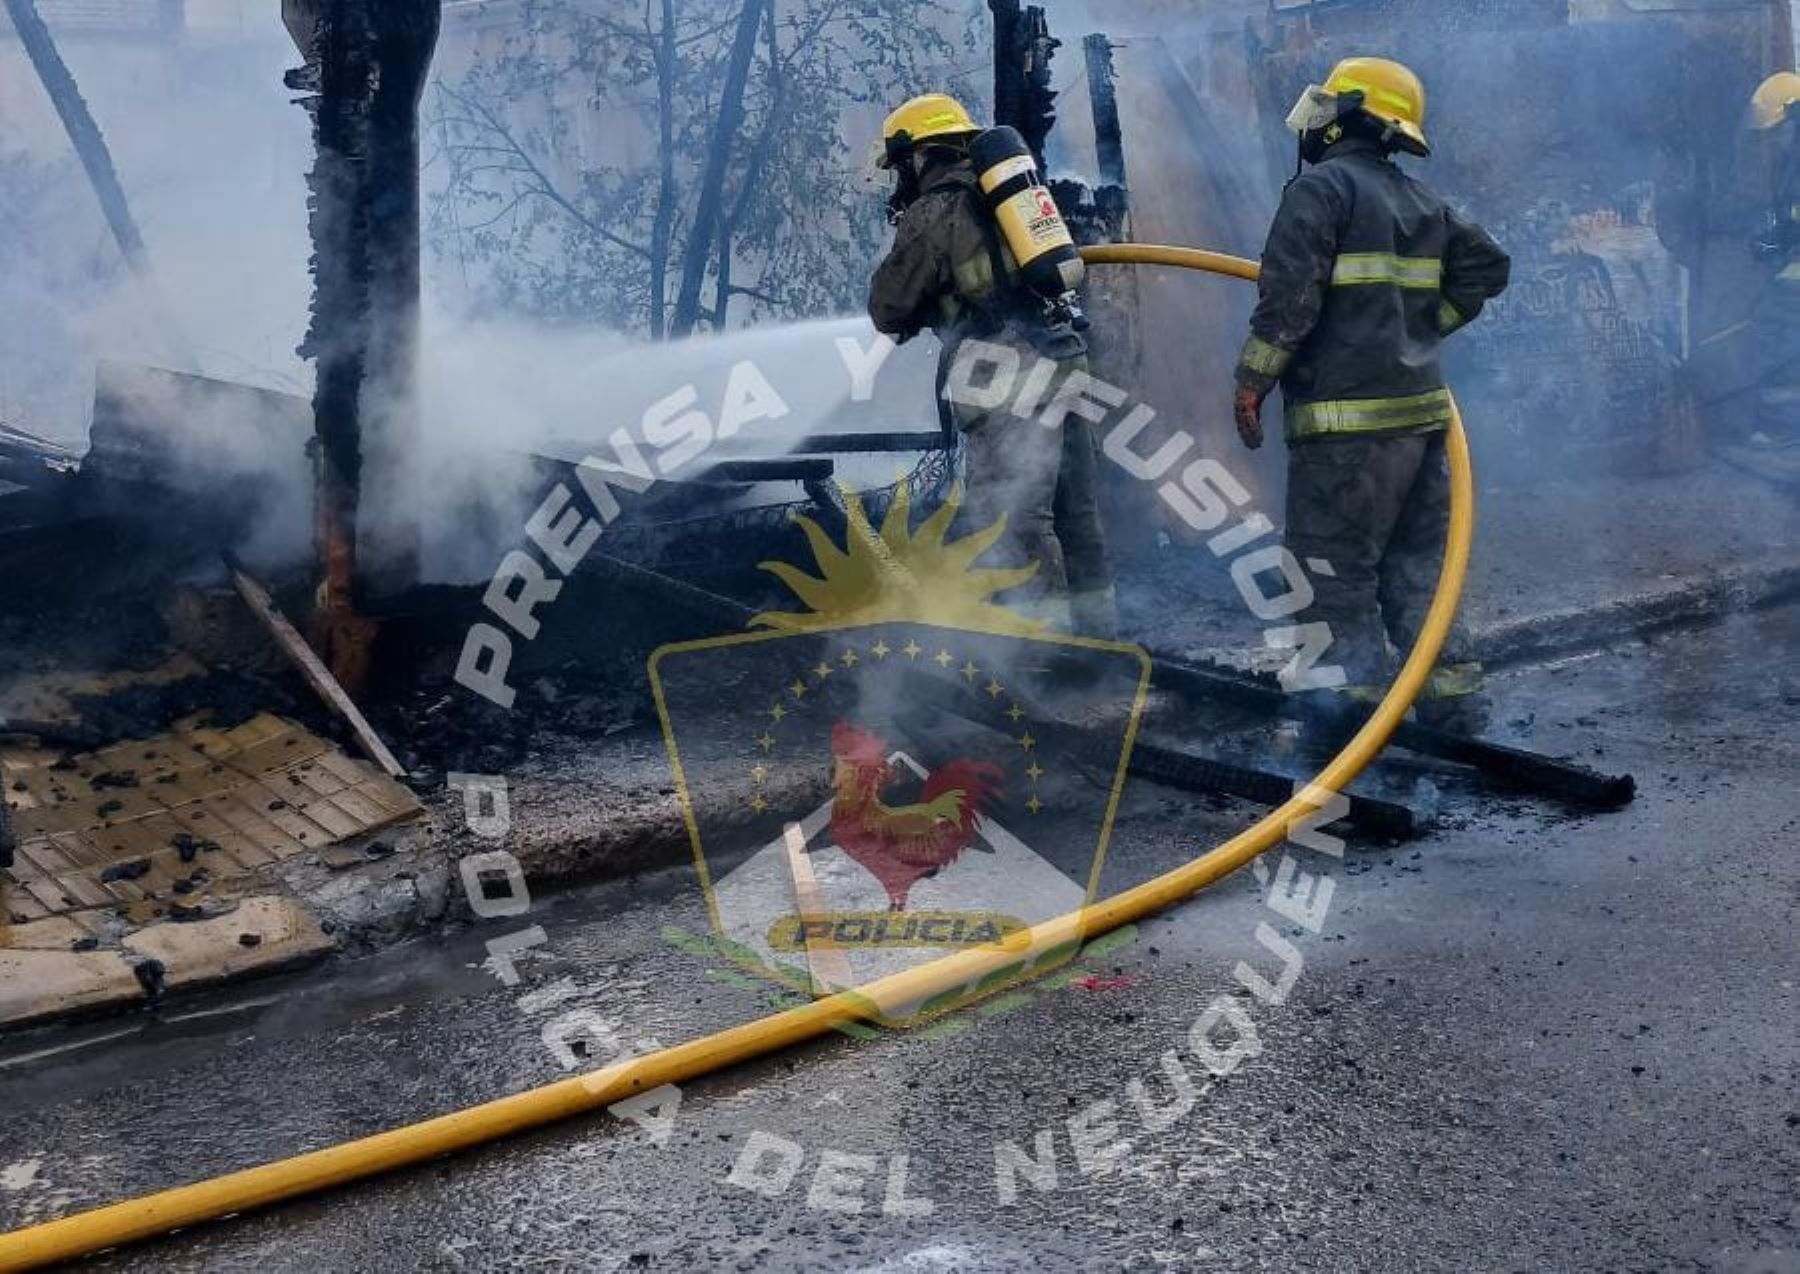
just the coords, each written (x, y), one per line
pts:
(1582, 351)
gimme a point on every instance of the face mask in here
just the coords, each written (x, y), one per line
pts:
(906, 190)
(1315, 110)
(872, 171)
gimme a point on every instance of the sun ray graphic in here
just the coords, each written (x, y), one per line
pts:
(900, 575)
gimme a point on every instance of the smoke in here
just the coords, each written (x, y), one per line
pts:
(554, 390)
(211, 156)
(1573, 369)
(496, 393)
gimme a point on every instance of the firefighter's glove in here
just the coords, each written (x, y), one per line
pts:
(1249, 404)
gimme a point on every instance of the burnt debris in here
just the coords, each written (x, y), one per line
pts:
(365, 68)
(1023, 49)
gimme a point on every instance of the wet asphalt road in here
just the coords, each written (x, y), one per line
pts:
(1529, 1041)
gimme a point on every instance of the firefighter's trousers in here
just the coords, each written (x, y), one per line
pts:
(1045, 480)
(1367, 518)
(1778, 359)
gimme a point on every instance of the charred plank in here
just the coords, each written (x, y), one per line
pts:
(1335, 722)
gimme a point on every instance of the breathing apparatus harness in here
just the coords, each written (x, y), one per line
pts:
(1031, 242)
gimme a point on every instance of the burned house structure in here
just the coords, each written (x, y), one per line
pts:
(1158, 131)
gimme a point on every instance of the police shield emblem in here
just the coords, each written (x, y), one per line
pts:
(903, 770)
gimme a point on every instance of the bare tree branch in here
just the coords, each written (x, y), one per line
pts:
(545, 188)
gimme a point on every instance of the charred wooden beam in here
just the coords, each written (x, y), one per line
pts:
(1184, 771)
(84, 133)
(750, 472)
(55, 734)
(1109, 133)
(317, 675)
(365, 68)
(1189, 773)
(844, 444)
(1023, 49)
(96, 161)
(1514, 768)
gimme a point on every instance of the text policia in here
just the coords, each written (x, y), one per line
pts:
(1198, 489)
(578, 1036)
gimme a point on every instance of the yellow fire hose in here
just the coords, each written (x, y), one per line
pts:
(141, 1218)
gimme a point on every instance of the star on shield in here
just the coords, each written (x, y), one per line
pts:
(907, 771)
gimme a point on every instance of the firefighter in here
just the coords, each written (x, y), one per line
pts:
(950, 270)
(1366, 271)
(1775, 440)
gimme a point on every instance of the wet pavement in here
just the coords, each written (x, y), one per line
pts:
(1530, 1040)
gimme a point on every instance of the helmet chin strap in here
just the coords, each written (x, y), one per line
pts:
(906, 189)
(1313, 144)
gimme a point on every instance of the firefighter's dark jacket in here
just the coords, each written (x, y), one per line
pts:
(948, 271)
(1365, 273)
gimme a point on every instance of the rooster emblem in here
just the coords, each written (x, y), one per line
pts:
(902, 845)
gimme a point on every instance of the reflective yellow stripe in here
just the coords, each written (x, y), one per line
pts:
(1449, 318)
(1369, 415)
(1448, 681)
(1791, 274)
(1356, 268)
(974, 276)
(1263, 358)
(1455, 681)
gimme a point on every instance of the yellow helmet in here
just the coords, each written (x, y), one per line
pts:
(933, 115)
(1391, 93)
(1773, 98)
